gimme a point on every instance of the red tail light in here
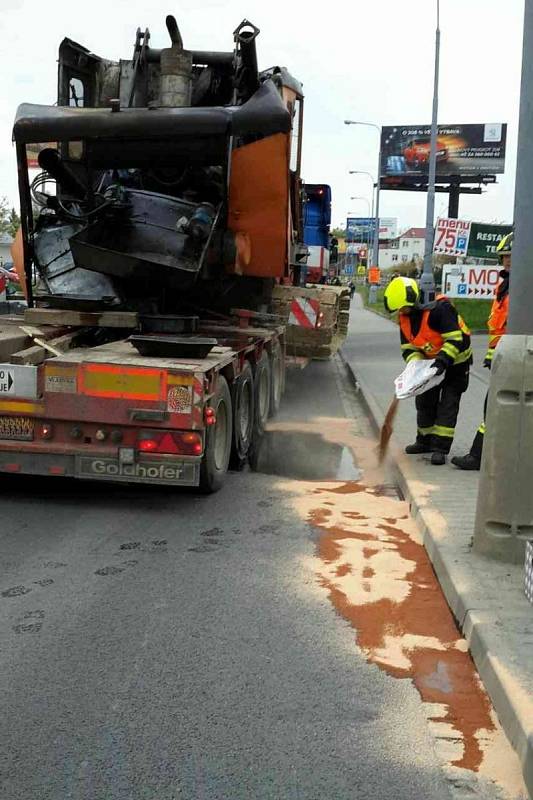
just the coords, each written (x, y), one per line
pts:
(148, 445)
(210, 416)
(183, 443)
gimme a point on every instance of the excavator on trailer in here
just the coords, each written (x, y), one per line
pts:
(161, 253)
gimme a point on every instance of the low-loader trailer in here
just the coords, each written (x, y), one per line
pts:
(161, 255)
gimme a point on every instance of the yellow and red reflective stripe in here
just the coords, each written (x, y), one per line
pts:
(105, 380)
(21, 407)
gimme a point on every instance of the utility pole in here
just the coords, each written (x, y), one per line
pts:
(376, 223)
(427, 281)
(504, 515)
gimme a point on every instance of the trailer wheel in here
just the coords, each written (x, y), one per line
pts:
(277, 359)
(262, 390)
(243, 416)
(218, 440)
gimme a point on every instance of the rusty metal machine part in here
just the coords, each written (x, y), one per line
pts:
(176, 70)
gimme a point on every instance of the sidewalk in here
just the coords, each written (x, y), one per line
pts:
(486, 597)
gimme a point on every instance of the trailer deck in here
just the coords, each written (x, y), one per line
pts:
(107, 412)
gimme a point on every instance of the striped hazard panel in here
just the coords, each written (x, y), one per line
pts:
(304, 312)
(105, 380)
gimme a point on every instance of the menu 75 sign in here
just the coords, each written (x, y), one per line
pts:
(451, 237)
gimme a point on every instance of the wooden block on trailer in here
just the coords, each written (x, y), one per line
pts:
(81, 319)
(11, 342)
(36, 355)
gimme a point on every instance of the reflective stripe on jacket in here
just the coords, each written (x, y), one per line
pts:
(429, 343)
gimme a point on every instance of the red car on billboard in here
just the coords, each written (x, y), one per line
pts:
(417, 152)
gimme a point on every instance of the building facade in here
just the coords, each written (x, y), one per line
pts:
(404, 249)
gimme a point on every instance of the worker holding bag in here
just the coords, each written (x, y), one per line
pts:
(434, 331)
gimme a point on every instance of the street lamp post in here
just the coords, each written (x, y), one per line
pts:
(376, 231)
(363, 172)
(427, 280)
(364, 199)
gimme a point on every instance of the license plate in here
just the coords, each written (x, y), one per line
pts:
(19, 428)
(177, 473)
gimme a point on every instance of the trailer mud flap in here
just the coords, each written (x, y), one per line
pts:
(178, 473)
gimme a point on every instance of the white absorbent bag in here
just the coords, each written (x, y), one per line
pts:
(418, 377)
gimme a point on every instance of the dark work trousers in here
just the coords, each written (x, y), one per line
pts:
(438, 408)
(477, 445)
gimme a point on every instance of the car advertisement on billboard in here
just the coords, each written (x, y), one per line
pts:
(462, 150)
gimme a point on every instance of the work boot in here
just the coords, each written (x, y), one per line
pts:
(416, 448)
(438, 458)
(467, 462)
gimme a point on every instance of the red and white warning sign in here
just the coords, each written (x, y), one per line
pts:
(304, 312)
(451, 237)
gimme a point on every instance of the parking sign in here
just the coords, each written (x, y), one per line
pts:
(451, 237)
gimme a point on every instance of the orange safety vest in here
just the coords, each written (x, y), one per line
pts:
(497, 323)
(428, 341)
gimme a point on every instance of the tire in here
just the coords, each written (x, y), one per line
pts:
(262, 383)
(277, 383)
(218, 440)
(243, 416)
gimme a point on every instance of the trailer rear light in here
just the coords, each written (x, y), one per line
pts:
(209, 416)
(116, 437)
(45, 430)
(100, 435)
(11, 467)
(319, 319)
(184, 443)
(76, 432)
(148, 445)
(193, 441)
(56, 470)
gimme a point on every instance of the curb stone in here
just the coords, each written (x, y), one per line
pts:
(455, 582)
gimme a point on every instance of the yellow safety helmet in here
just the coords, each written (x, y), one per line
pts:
(399, 293)
(506, 245)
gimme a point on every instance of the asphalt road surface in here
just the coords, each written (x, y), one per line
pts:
(157, 645)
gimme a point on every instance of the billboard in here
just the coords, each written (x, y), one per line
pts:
(451, 237)
(484, 239)
(388, 227)
(361, 229)
(470, 282)
(456, 237)
(465, 151)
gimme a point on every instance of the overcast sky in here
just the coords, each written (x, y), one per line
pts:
(371, 61)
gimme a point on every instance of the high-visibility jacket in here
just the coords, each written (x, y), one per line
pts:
(497, 323)
(448, 338)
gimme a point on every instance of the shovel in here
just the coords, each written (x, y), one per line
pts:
(386, 430)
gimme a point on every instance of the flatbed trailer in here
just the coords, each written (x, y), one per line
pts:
(106, 412)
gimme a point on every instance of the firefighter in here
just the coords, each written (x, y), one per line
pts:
(432, 331)
(497, 326)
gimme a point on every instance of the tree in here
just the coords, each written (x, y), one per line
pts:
(9, 219)
(338, 233)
